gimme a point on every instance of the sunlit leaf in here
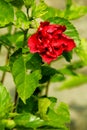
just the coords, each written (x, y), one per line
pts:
(82, 51)
(21, 20)
(28, 120)
(39, 10)
(43, 105)
(75, 12)
(5, 102)
(29, 3)
(6, 13)
(59, 117)
(52, 12)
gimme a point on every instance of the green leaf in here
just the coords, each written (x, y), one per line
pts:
(8, 0)
(17, 3)
(5, 41)
(52, 12)
(59, 117)
(21, 20)
(25, 83)
(39, 10)
(67, 71)
(14, 56)
(15, 39)
(82, 51)
(55, 117)
(57, 77)
(68, 56)
(75, 65)
(2, 127)
(4, 68)
(6, 13)
(70, 29)
(34, 62)
(31, 105)
(75, 12)
(43, 105)
(28, 120)
(8, 123)
(47, 73)
(73, 81)
(5, 102)
(29, 3)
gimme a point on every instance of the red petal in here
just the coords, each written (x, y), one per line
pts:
(32, 43)
(46, 58)
(69, 43)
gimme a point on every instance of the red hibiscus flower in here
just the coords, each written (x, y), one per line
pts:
(50, 41)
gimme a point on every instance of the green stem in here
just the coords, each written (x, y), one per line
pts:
(25, 37)
(6, 62)
(47, 88)
(15, 101)
(28, 13)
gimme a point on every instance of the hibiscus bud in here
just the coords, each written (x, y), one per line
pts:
(50, 41)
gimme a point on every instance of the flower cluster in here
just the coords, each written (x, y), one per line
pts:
(50, 41)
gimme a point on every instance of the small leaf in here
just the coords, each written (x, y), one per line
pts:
(43, 105)
(5, 102)
(82, 51)
(59, 117)
(47, 73)
(75, 12)
(28, 120)
(5, 16)
(73, 81)
(21, 20)
(70, 29)
(4, 68)
(52, 12)
(68, 56)
(17, 3)
(29, 3)
(57, 77)
(25, 83)
(39, 10)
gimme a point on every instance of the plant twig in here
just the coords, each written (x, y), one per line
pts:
(15, 100)
(6, 62)
(28, 13)
(47, 88)
(25, 37)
